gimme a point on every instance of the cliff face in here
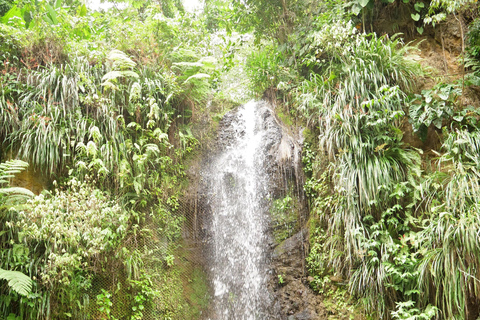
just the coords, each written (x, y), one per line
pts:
(285, 209)
(288, 280)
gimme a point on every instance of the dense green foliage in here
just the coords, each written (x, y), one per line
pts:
(395, 224)
(12, 197)
(102, 105)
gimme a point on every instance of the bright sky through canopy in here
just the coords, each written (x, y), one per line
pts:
(190, 5)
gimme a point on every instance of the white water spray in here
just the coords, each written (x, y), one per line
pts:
(239, 191)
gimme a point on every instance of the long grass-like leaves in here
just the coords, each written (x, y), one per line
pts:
(450, 268)
(358, 103)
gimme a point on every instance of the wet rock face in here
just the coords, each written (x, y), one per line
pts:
(281, 151)
(227, 131)
(297, 301)
(283, 154)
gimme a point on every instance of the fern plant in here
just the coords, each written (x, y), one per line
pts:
(121, 67)
(17, 281)
(9, 198)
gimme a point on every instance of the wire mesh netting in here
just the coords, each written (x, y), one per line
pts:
(173, 267)
(151, 258)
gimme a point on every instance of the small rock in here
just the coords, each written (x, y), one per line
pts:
(336, 279)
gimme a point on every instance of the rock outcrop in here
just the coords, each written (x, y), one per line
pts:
(288, 285)
(297, 301)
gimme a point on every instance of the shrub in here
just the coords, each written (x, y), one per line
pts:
(62, 240)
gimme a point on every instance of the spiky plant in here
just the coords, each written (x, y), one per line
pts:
(365, 144)
(51, 116)
(449, 270)
(61, 110)
(353, 68)
(357, 99)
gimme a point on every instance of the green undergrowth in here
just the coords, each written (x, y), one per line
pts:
(285, 214)
(378, 219)
(195, 284)
(103, 105)
(286, 119)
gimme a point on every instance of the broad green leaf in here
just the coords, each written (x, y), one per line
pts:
(82, 10)
(363, 3)
(48, 20)
(14, 15)
(420, 30)
(12, 316)
(443, 96)
(438, 123)
(52, 14)
(415, 16)
(356, 9)
(419, 6)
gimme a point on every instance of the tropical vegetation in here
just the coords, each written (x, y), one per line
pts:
(393, 217)
(100, 106)
(105, 108)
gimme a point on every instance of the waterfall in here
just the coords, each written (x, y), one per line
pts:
(238, 198)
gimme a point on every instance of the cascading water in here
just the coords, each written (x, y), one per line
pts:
(238, 198)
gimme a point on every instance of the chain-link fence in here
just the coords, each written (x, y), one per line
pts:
(174, 268)
(168, 272)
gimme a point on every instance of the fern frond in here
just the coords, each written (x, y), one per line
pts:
(18, 282)
(113, 75)
(17, 191)
(9, 168)
(12, 195)
(197, 76)
(120, 60)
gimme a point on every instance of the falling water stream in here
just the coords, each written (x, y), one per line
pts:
(238, 228)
